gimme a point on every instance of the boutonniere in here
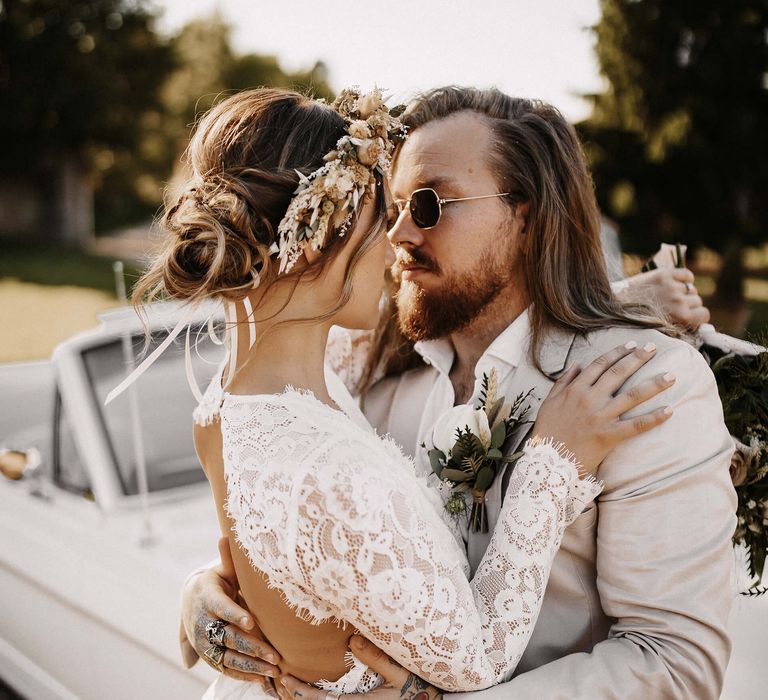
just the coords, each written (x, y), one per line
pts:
(469, 445)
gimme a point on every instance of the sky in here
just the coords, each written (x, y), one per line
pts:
(538, 48)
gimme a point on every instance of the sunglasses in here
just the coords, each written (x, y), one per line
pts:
(426, 206)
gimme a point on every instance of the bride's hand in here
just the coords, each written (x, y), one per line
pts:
(583, 411)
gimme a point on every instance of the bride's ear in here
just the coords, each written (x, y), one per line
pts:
(312, 255)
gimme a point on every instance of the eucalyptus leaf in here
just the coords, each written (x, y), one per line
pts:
(437, 460)
(498, 435)
(458, 475)
(493, 453)
(484, 479)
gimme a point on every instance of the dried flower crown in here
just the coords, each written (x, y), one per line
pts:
(328, 197)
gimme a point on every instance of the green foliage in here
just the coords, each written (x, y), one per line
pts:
(678, 140)
(742, 382)
(79, 74)
(743, 385)
(92, 78)
(208, 70)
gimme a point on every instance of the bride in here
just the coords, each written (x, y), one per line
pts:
(331, 528)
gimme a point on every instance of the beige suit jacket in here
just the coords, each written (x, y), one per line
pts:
(640, 592)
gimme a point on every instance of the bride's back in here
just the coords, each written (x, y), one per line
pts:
(310, 652)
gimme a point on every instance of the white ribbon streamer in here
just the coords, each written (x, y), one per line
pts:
(147, 363)
(231, 320)
(251, 322)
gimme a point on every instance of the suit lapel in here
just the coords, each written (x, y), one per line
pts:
(554, 354)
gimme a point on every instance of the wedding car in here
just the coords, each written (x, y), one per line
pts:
(105, 513)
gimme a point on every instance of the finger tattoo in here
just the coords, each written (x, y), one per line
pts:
(414, 688)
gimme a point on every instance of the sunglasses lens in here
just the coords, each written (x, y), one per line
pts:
(425, 208)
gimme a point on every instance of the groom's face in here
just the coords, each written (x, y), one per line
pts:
(452, 272)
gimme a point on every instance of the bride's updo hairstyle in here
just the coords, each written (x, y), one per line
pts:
(244, 156)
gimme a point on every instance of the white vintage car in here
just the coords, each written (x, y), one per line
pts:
(91, 569)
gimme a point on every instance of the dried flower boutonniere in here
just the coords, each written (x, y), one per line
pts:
(469, 446)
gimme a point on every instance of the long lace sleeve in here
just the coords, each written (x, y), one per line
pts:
(338, 522)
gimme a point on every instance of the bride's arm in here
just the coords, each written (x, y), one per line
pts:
(372, 548)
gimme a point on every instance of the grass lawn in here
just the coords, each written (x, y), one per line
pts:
(50, 265)
(47, 294)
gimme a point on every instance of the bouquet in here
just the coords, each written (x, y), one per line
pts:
(741, 371)
(469, 446)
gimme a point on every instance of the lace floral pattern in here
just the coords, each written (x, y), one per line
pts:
(347, 353)
(337, 520)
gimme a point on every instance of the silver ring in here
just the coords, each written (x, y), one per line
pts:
(214, 631)
(215, 656)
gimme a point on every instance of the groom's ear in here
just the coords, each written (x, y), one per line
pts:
(521, 213)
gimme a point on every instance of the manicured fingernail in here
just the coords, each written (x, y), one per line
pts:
(245, 621)
(631, 345)
(669, 377)
(649, 347)
(357, 641)
(667, 411)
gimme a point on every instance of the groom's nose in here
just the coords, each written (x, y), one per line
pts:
(405, 231)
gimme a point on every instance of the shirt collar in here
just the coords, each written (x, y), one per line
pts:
(507, 349)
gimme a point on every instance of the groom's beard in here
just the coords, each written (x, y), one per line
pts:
(426, 315)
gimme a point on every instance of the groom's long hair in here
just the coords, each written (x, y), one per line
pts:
(537, 157)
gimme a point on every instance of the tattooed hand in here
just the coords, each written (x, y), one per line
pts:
(209, 596)
(399, 684)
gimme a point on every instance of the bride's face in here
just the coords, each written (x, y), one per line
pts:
(367, 278)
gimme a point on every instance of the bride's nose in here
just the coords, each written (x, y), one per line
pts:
(389, 255)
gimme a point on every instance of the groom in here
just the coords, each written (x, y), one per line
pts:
(638, 600)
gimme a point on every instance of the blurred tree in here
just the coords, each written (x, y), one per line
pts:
(678, 141)
(77, 79)
(208, 69)
(95, 101)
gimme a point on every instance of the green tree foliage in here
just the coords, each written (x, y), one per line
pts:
(208, 69)
(92, 79)
(83, 79)
(76, 75)
(678, 141)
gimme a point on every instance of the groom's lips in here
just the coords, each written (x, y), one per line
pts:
(412, 268)
(408, 272)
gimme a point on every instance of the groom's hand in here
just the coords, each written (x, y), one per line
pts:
(399, 684)
(208, 596)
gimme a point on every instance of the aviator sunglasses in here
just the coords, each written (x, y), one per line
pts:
(426, 206)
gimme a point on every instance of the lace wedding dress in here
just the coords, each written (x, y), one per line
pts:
(339, 521)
